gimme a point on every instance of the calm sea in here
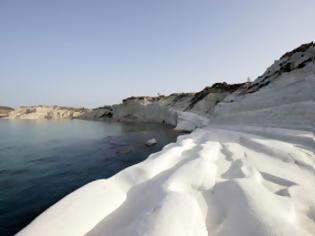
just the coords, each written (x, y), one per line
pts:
(42, 161)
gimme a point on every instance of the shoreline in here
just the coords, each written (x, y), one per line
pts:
(183, 175)
(81, 155)
(236, 166)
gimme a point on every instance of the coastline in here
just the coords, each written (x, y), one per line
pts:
(237, 165)
(209, 162)
(43, 161)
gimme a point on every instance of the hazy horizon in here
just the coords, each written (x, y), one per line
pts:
(94, 53)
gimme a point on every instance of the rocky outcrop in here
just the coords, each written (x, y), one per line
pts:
(205, 100)
(289, 62)
(48, 112)
(144, 109)
(282, 96)
(164, 109)
(4, 111)
(100, 113)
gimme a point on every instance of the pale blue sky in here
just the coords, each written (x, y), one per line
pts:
(92, 53)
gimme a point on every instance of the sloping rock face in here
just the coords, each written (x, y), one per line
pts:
(144, 109)
(47, 112)
(164, 109)
(4, 111)
(204, 101)
(284, 95)
(100, 113)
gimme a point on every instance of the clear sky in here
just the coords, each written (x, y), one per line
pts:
(91, 53)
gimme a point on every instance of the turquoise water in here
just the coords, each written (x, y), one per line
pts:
(42, 161)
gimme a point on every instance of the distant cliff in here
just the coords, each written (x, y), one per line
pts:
(47, 112)
(165, 109)
(282, 95)
(4, 111)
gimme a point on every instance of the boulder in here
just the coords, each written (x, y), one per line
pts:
(151, 142)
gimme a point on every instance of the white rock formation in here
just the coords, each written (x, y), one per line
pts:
(239, 181)
(223, 179)
(283, 96)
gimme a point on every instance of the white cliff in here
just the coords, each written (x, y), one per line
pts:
(216, 181)
(283, 96)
